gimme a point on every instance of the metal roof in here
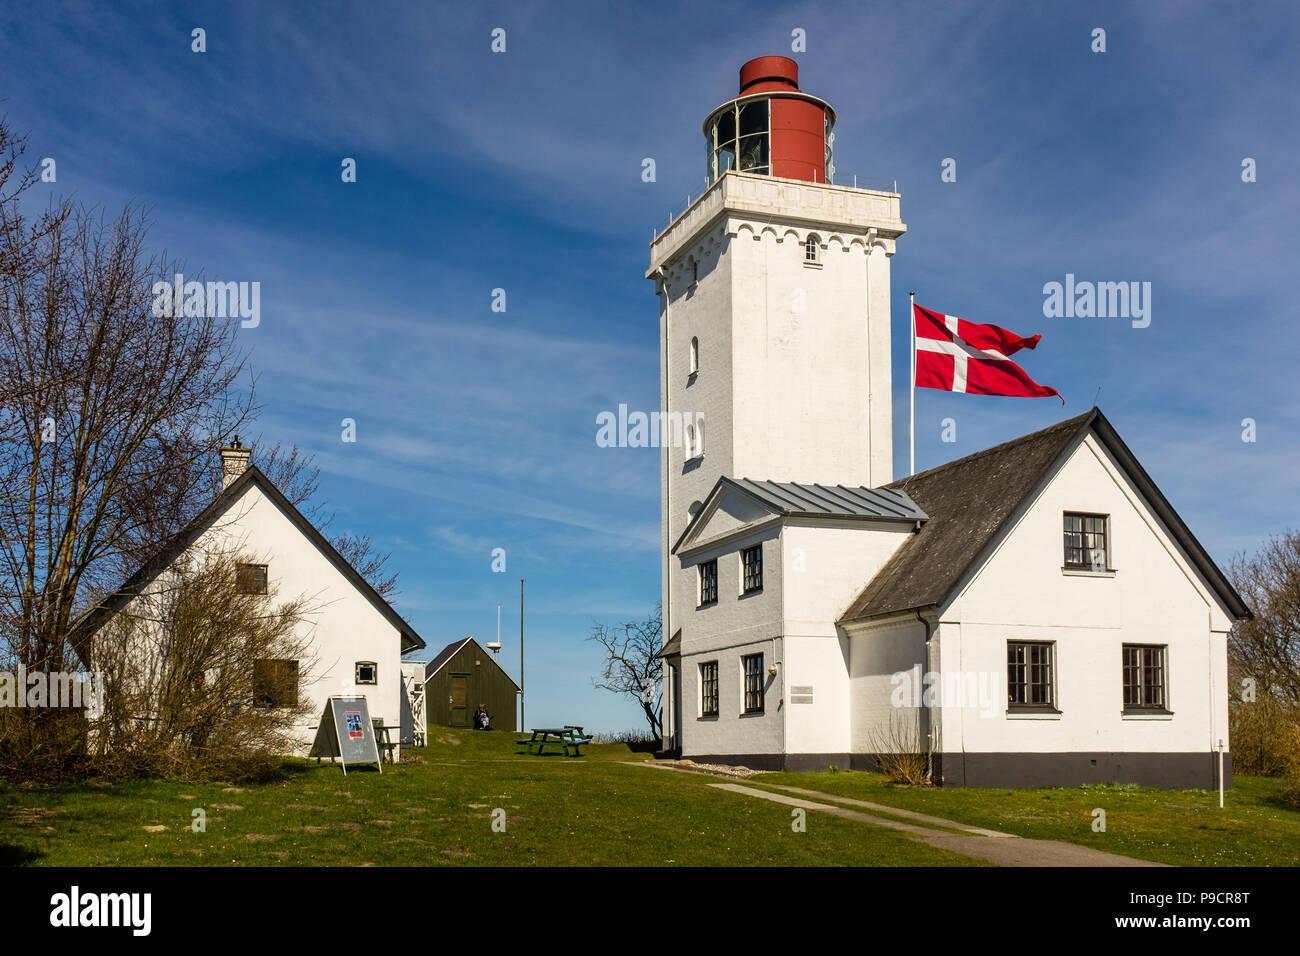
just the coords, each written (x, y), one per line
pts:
(792, 498)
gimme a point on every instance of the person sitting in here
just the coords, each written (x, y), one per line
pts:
(481, 719)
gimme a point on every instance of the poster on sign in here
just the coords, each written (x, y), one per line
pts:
(345, 732)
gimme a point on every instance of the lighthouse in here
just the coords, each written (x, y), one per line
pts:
(774, 314)
(808, 597)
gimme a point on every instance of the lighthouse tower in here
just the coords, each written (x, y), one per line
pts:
(774, 308)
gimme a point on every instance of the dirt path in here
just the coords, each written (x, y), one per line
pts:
(1004, 849)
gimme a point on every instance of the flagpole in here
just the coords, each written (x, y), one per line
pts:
(911, 324)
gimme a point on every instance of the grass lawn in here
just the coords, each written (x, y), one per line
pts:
(593, 810)
(1184, 828)
(559, 811)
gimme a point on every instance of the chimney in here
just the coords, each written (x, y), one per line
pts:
(234, 459)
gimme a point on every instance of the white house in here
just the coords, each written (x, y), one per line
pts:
(354, 637)
(1035, 614)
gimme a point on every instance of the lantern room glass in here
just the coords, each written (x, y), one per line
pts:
(740, 138)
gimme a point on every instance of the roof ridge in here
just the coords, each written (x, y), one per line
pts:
(1076, 422)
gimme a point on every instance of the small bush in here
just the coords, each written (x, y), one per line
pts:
(899, 752)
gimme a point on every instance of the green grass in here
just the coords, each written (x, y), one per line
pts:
(593, 810)
(1184, 828)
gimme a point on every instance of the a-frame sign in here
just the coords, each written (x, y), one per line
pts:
(345, 732)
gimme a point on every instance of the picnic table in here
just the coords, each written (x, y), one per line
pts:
(568, 737)
(385, 743)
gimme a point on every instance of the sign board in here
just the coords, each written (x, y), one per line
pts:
(345, 731)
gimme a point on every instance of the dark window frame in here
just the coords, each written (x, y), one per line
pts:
(708, 579)
(751, 572)
(284, 696)
(242, 581)
(1087, 538)
(710, 697)
(752, 678)
(1141, 669)
(1031, 677)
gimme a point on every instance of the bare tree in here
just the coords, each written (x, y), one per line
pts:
(1264, 661)
(1267, 647)
(201, 678)
(118, 416)
(111, 416)
(630, 665)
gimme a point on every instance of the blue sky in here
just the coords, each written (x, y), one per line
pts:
(522, 171)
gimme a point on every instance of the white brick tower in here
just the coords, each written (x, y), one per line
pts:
(774, 308)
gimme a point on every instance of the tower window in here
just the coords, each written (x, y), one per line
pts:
(708, 583)
(751, 565)
(695, 271)
(695, 356)
(693, 439)
(753, 671)
(810, 249)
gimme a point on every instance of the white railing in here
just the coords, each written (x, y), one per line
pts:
(848, 182)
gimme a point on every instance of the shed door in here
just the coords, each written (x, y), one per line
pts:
(459, 694)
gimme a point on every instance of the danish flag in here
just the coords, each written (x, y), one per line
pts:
(959, 356)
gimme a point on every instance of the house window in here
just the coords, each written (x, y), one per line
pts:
(1085, 542)
(367, 672)
(709, 689)
(1029, 676)
(753, 669)
(751, 564)
(695, 356)
(250, 578)
(709, 583)
(275, 683)
(810, 249)
(1144, 677)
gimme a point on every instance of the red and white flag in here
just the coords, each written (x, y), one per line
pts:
(959, 356)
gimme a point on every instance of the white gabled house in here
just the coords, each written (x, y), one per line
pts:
(355, 638)
(1037, 612)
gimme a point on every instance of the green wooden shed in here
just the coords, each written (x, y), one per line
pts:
(462, 676)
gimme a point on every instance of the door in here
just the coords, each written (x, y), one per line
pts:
(459, 695)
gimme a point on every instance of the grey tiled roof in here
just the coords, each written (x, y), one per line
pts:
(971, 499)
